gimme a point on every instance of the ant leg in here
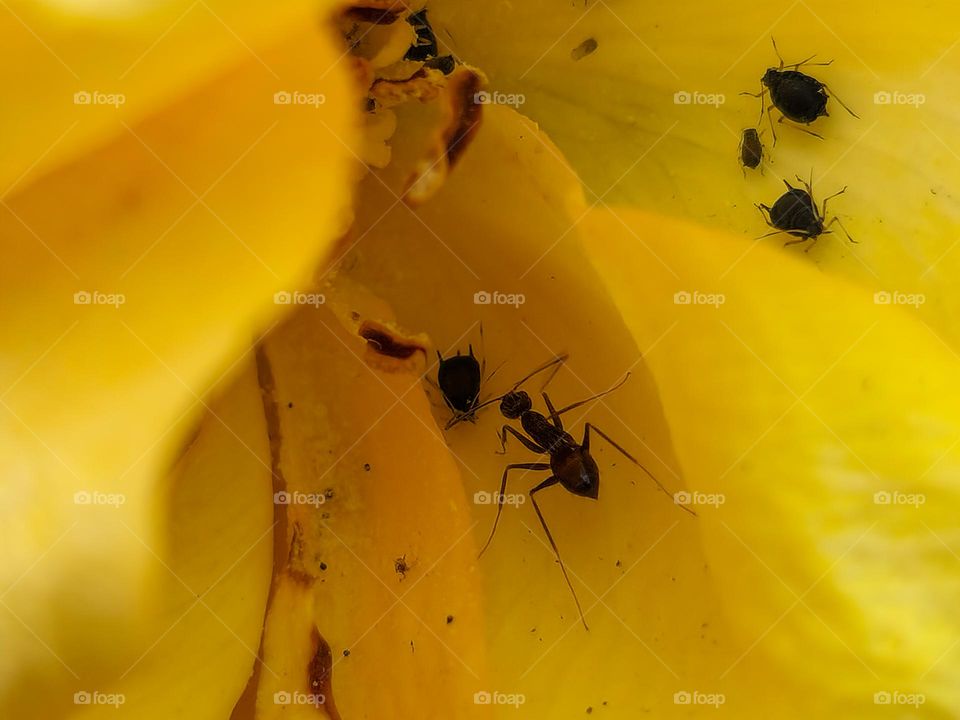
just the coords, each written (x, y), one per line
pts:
(631, 458)
(527, 442)
(592, 398)
(842, 103)
(553, 412)
(836, 220)
(503, 486)
(543, 523)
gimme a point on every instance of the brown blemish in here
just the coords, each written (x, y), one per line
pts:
(320, 673)
(384, 342)
(461, 120)
(587, 47)
(469, 115)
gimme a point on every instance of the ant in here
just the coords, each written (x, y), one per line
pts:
(799, 97)
(571, 463)
(795, 213)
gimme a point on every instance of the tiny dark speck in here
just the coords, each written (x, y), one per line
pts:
(585, 48)
(366, 466)
(589, 710)
(346, 653)
(289, 404)
(323, 566)
(449, 619)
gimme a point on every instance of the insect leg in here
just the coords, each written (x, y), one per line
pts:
(503, 487)
(803, 129)
(591, 398)
(842, 103)
(543, 523)
(527, 442)
(823, 212)
(631, 458)
(836, 220)
(553, 412)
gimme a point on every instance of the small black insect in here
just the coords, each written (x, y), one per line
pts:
(795, 213)
(425, 46)
(571, 464)
(751, 150)
(460, 378)
(799, 97)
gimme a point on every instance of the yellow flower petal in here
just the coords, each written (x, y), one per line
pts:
(126, 61)
(797, 399)
(614, 113)
(186, 223)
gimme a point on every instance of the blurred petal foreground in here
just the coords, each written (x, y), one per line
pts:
(236, 238)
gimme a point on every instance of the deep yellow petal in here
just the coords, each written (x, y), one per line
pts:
(798, 400)
(614, 114)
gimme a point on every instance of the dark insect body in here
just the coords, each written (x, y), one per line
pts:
(425, 47)
(460, 378)
(571, 465)
(796, 213)
(799, 97)
(751, 149)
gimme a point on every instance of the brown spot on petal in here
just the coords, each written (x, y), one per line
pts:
(384, 341)
(320, 673)
(461, 119)
(587, 47)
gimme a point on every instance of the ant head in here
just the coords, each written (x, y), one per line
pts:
(514, 404)
(770, 77)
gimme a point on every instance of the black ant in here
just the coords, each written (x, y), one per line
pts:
(799, 97)
(570, 463)
(795, 213)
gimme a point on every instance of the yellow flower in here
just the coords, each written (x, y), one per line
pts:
(226, 491)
